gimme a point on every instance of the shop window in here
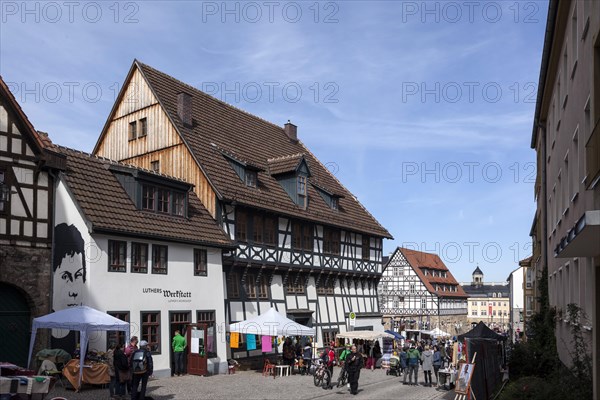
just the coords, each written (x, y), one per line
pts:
(117, 337)
(139, 258)
(117, 256)
(200, 263)
(150, 329)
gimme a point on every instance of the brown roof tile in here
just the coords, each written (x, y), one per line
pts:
(420, 260)
(217, 125)
(108, 207)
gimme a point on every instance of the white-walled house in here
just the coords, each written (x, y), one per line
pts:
(140, 246)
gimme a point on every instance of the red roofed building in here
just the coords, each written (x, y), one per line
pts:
(417, 291)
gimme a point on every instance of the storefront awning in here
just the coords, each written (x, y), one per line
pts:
(581, 240)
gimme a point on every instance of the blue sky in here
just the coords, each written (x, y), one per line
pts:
(422, 109)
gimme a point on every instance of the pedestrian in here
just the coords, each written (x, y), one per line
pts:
(353, 366)
(129, 350)
(370, 359)
(122, 376)
(110, 361)
(141, 367)
(437, 362)
(331, 358)
(307, 355)
(288, 352)
(403, 362)
(427, 363)
(376, 353)
(414, 357)
(179, 344)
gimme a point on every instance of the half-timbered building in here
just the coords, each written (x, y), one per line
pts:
(27, 172)
(418, 292)
(305, 244)
(140, 246)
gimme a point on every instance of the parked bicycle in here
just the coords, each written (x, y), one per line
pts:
(322, 376)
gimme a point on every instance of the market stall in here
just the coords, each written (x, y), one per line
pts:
(271, 323)
(84, 319)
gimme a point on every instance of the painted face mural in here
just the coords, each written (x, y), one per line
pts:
(69, 268)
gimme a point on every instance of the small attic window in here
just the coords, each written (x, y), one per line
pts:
(133, 130)
(335, 203)
(250, 178)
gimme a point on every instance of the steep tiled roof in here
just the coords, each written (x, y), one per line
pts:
(108, 207)
(477, 271)
(420, 260)
(258, 141)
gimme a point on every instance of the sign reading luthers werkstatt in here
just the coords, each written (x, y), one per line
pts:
(173, 295)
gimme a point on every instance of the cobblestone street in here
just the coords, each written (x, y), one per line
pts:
(252, 385)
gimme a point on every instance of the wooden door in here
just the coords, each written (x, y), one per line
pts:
(197, 359)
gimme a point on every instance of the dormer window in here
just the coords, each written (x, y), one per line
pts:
(163, 200)
(301, 190)
(250, 178)
(335, 203)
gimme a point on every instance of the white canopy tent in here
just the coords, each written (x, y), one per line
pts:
(437, 332)
(271, 323)
(83, 319)
(364, 335)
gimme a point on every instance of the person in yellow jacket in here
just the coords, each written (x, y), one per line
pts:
(179, 344)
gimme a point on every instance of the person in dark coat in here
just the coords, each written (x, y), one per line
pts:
(353, 365)
(121, 371)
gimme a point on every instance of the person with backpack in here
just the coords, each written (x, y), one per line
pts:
(403, 362)
(414, 358)
(179, 344)
(141, 369)
(129, 350)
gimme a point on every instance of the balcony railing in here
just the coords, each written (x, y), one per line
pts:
(592, 156)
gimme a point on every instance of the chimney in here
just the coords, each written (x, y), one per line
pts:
(184, 109)
(291, 131)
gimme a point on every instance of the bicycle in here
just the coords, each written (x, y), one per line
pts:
(322, 376)
(343, 375)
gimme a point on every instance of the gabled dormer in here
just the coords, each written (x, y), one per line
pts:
(292, 173)
(245, 170)
(152, 192)
(331, 198)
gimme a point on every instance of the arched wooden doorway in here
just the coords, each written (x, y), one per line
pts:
(15, 325)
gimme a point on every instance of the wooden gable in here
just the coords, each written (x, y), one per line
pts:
(161, 146)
